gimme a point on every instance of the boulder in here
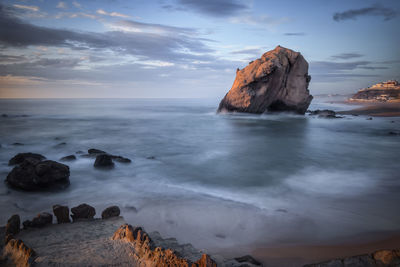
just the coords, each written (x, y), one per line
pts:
(83, 211)
(104, 161)
(109, 212)
(278, 81)
(33, 175)
(121, 159)
(13, 225)
(41, 220)
(68, 158)
(325, 113)
(21, 157)
(61, 213)
(96, 151)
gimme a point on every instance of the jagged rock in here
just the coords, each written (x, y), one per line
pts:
(21, 157)
(13, 225)
(96, 151)
(104, 161)
(41, 220)
(83, 211)
(32, 175)
(146, 252)
(379, 258)
(19, 253)
(121, 159)
(248, 259)
(109, 212)
(68, 158)
(61, 213)
(277, 81)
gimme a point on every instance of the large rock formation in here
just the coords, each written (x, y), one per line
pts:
(277, 81)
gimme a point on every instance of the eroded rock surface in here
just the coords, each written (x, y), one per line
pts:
(83, 211)
(61, 213)
(278, 81)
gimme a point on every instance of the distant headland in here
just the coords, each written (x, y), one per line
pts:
(388, 91)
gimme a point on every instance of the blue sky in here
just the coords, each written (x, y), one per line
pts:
(188, 48)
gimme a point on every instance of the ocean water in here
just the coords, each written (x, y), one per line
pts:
(216, 180)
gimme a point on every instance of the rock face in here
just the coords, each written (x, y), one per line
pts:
(83, 211)
(147, 254)
(19, 253)
(377, 259)
(109, 212)
(277, 81)
(33, 175)
(61, 213)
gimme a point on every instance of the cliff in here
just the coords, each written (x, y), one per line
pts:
(381, 92)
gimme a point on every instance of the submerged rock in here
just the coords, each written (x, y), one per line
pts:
(83, 211)
(61, 213)
(104, 161)
(109, 212)
(96, 151)
(325, 113)
(121, 159)
(34, 175)
(277, 81)
(21, 157)
(68, 158)
(247, 259)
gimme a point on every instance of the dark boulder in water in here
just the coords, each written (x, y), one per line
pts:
(104, 161)
(109, 212)
(96, 151)
(248, 259)
(325, 113)
(13, 225)
(83, 211)
(34, 175)
(19, 158)
(121, 159)
(68, 158)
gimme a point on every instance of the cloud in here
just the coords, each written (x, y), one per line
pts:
(61, 5)
(30, 8)
(213, 8)
(135, 26)
(248, 51)
(294, 34)
(347, 56)
(386, 13)
(76, 4)
(337, 66)
(111, 14)
(263, 20)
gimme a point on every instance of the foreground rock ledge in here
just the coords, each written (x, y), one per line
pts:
(278, 81)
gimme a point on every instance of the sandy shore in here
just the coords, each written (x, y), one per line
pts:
(375, 110)
(301, 254)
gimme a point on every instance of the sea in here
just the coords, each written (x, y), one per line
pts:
(212, 180)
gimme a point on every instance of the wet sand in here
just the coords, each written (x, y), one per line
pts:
(375, 110)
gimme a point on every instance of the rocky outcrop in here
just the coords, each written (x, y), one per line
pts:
(109, 212)
(147, 254)
(325, 113)
(61, 213)
(68, 158)
(388, 91)
(277, 81)
(83, 211)
(379, 258)
(19, 253)
(32, 174)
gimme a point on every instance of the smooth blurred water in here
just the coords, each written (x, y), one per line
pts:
(216, 180)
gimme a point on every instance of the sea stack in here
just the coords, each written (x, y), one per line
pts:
(278, 81)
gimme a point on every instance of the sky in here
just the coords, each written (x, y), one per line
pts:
(188, 48)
